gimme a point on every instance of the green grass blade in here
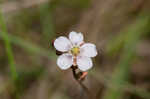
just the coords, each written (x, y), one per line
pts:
(9, 52)
(31, 47)
(120, 76)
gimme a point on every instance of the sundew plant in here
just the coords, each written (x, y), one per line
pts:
(78, 49)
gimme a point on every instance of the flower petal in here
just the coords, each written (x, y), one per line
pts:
(76, 38)
(84, 63)
(65, 61)
(88, 50)
(62, 44)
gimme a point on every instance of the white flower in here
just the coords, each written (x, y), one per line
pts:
(76, 52)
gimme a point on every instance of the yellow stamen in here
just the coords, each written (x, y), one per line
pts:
(75, 50)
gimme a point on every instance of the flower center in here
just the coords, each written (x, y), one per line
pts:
(75, 50)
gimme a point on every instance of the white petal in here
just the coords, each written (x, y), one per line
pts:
(84, 63)
(65, 61)
(62, 44)
(76, 38)
(88, 50)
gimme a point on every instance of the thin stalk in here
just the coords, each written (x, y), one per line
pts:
(85, 89)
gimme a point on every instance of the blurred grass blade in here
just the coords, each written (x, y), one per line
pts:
(9, 52)
(46, 12)
(115, 45)
(31, 47)
(120, 76)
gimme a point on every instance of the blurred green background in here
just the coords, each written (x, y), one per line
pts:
(119, 28)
